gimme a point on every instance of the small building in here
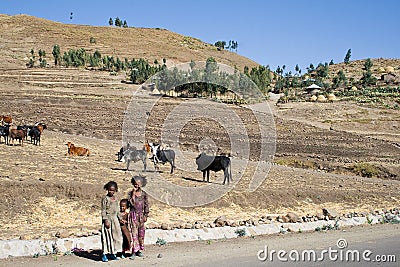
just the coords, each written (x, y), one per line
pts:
(313, 89)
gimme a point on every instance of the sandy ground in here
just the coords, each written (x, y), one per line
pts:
(317, 147)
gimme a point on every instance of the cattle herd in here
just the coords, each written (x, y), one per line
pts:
(157, 153)
(11, 133)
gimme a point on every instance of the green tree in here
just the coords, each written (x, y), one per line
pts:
(220, 44)
(297, 69)
(310, 68)
(110, 22)
(118, 22)
(125, 24)
(57, 55)
(368, 64)
(322, 70)
(367, 78)
(339, 79)
(347, 57)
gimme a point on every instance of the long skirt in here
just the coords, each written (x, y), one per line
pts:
(111, 238)
(137, 229)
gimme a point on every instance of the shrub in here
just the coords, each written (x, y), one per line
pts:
(161, 242)
(365, 170)
(240, 232)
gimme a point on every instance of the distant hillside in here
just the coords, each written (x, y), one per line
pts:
(19, 34)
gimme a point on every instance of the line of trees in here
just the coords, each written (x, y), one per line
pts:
(213, 82)
(139, 70)
(118, 22)
(232, 45)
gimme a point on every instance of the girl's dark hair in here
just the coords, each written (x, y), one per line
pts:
(140, 178)
(109, 184)
(124, 200)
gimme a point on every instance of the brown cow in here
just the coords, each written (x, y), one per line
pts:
(41, 127)
(17, 134)
(6, 119)
(76, 150)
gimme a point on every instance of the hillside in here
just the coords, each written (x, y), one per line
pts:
(21, 33)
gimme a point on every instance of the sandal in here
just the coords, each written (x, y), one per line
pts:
(104, 258)
(113, 257)
(139, 254)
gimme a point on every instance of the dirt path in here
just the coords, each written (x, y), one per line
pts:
(235, 252)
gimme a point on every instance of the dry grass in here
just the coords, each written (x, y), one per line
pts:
(18, 39)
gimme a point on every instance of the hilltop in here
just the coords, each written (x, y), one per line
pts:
(21, 33)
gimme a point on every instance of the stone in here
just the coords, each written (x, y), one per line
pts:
(330, 213)
(63, 233)
(165, 226)
(159, 255)
(292, 217)
(220, 221)
(188, 226)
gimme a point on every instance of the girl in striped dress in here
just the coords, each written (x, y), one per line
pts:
(111, 235)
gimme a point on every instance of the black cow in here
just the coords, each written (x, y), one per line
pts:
(207, 163)
(4, 131)
(129, 154)
(162, 156)
(35, 133)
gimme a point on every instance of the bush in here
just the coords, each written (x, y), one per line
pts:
(240, 232)
(161, 242)
(365, 170)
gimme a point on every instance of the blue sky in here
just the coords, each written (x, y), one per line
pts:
(269, 32)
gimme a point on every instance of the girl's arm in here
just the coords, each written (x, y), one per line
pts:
(130, 198)
(104, 204)
(104, 215)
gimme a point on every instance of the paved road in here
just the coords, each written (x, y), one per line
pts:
(381, 240)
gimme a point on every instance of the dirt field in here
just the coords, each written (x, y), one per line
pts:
(320, 148)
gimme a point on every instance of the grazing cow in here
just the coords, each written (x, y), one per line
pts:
(207, 163)
(17, 134)
(132, 154)
(35, 133)
(4, 131)
(162, 156)
(6, 119)
(76, 150)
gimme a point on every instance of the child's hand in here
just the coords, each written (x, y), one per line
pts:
(145, 218)
(107, 224)
(122, 221)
